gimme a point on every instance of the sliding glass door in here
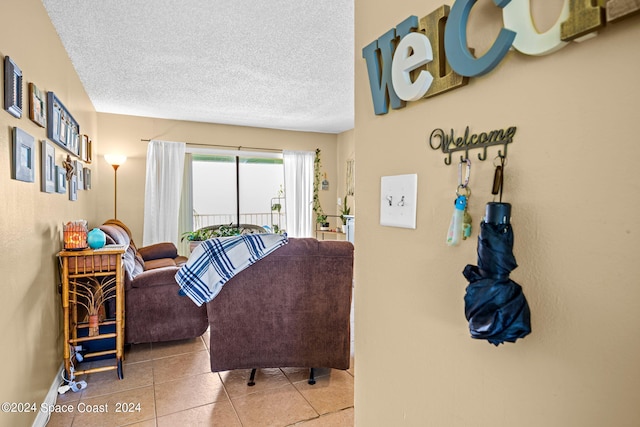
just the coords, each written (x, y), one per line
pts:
(238, 189)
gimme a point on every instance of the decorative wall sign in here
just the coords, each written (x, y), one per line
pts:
(12, 88)
(61, 180)
(37, 106)
(450, 143)
(351, 187)
(618, 9)
(398, 200)
(23, 156)
(48, 170)
(61, 126)
(401, 63)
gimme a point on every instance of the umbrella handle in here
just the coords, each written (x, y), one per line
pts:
(497, 213)
(454, 235)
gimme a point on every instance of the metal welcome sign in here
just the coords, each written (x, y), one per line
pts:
(450, 143)
(403, 66)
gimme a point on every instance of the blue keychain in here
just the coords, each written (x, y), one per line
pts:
(457, 220)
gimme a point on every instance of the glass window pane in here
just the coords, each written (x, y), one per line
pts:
(260, 182)
(214, 190)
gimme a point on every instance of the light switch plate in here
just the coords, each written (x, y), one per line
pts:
(398, 200)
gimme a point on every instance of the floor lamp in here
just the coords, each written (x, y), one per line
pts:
(115, 160)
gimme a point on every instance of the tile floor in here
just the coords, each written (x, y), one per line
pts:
(171, 384)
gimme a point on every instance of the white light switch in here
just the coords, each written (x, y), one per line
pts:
(398, 200)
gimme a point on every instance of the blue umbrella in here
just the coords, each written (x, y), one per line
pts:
(495, 305)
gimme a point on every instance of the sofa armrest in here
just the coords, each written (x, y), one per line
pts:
(156, 277)
(158, 250)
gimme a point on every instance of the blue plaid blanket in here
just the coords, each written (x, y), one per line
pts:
(216, 261)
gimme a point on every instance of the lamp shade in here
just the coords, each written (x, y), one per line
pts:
(115, 159)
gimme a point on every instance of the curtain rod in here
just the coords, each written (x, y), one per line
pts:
(238, 147)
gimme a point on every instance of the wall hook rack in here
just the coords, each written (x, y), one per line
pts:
(450, 143)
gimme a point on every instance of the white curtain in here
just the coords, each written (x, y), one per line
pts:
(298, 188)
(165, 164)
(185, 218)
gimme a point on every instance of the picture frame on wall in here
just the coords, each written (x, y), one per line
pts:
(87, 179)
(89, 148)
(79, 172)
(12, 87)
(73, 188)
(61, 180)
(82, 149)
(48, 160)
(37, 106)
(23, 156)
(62, 128)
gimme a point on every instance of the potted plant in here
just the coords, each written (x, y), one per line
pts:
(92, 295)
(346, 210)
(322, 220)
(197, 236)
(226, 231)
(276, 206)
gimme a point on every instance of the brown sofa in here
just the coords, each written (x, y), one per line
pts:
(290, 309)
(154, 311)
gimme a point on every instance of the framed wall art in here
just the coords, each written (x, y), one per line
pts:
(82, 147)
(48, 174)
(87, 179)
(73, 188)
(37, 106)
(78, 169)
(12, 87)
(23, 156)
(84, 151)
(351, 163)
(89, 152)
(62, 128)
(61, 180)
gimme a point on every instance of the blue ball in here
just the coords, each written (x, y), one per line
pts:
(96, 238)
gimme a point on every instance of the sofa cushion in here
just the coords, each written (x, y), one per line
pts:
(158, 251)
(159, 263)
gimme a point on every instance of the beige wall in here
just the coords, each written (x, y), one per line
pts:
(572, 180)
(31, 226)
(123, 135)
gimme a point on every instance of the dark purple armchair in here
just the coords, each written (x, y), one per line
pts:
(154, 311)
(290, 309)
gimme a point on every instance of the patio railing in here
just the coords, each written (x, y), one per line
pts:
(259, 218)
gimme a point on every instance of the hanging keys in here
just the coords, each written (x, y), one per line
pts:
(460, 225)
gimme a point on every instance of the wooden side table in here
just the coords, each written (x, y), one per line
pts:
(90, 277)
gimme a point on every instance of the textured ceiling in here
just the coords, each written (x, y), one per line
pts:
(279, 64)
